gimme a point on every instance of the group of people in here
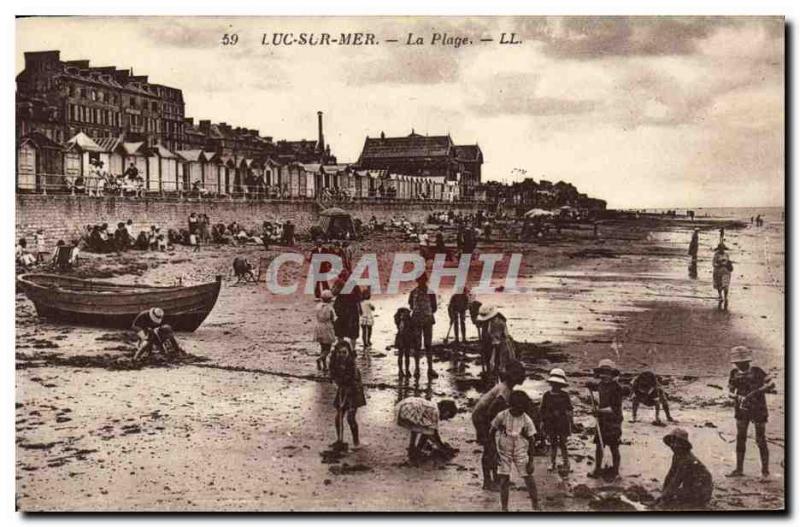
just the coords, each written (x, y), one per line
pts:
(99, 238)
(507, 422)
(27, 258)
(100, 182)
(201, 231)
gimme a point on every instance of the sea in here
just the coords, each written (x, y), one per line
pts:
(770, 214)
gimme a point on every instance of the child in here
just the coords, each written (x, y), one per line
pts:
(512, 432)
(421, 417)
(722, 275)
(608, 413)
(488, 406)
(556, 411)
(647, 391)
(367, 318)
(349, 391)
(457, 309)
(41, 250)
(747, 385)
(688, 483)
(324, 333)
(474, 308)
(404, 341)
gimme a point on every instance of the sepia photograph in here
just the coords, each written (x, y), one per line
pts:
(412, 264)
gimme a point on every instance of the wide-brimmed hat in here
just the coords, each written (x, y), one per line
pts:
(741, 354)
(558, 376)
(156, 315)
(721, 247)
(326, 295)
(677, 435)
(607, 365)
(486, 312)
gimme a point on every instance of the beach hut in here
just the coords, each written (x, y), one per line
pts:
(271, 169)
(137, 153)
(211, 171)
(40, 162)
(112, 155)
(337, 223)
(168, 169)
(78, 151)
(192, 170)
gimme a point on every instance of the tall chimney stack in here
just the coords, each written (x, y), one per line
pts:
(321, 139)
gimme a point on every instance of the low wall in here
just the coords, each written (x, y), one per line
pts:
(64, 217)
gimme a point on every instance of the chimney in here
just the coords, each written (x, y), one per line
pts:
(321, 139)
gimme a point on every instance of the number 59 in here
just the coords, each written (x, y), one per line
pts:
(230, 40)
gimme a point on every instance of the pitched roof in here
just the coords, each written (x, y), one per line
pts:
(135, 148)
(39, 140)
(189, 155)
(162, 151)
(413, 145)
(84, 142)
(469, 152)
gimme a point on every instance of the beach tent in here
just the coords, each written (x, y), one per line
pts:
(539, 213)
(336, 223)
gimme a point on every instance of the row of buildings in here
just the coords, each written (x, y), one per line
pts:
(111, 166)
(71, 115)
(60, 99)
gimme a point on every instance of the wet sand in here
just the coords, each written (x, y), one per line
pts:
(243, 426)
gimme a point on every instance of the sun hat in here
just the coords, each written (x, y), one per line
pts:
(677, 435)
(486, 312)
(607, 365)
(327, 295)
(156, 314)
(558, 376)
(741, 354)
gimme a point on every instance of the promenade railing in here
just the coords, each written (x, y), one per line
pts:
(123, 187)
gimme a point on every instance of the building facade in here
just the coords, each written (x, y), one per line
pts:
(424, 156)
(62, 98)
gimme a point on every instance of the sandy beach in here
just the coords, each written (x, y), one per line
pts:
(244, 425)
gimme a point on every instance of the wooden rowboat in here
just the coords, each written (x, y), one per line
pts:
(106, 304)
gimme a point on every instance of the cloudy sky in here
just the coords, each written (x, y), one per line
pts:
(643, 112)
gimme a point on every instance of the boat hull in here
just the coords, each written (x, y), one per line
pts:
(111, 305)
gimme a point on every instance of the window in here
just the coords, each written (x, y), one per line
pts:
(94, 95)
(154, 106)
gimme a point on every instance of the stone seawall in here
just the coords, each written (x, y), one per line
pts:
(64, 217)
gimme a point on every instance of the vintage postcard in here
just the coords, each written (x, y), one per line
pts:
(412, 264)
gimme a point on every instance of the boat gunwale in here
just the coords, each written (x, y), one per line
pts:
(133, 290)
